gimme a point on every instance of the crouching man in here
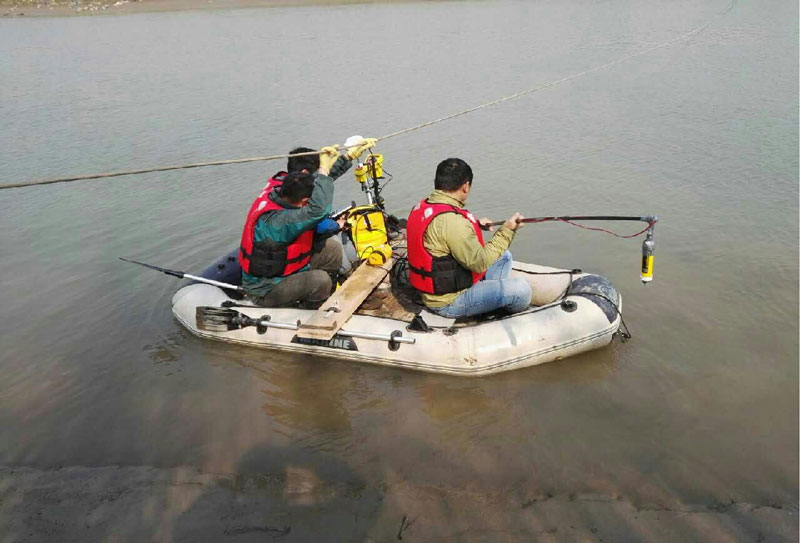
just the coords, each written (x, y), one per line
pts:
(280, 266)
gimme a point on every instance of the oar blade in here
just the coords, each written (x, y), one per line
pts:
(218, 319)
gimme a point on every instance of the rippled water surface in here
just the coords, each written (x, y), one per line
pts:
(700, 406)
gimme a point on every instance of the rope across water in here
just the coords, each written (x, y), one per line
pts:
(382, 138)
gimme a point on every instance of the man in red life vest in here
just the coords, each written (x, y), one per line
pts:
(281, 265)
(455, 271)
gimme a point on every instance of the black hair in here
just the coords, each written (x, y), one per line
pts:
(296, 186)
(451, 173)
(309, 163)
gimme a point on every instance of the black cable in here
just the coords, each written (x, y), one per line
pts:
(560, 272)
(388, 180)
(624, 336)
(571, 273)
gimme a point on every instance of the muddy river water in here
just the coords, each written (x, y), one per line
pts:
(101, 389)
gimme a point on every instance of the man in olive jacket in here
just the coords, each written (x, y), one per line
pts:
(456, 272)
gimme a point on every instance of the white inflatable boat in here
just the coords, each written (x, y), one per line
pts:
(563, 323)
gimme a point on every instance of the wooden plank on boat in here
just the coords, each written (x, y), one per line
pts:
(337, 309)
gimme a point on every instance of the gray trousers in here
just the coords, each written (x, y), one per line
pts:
(310, 287)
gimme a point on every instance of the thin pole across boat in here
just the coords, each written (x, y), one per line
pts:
(184, 275)
(650, 219)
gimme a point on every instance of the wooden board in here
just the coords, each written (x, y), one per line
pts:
(337, 309)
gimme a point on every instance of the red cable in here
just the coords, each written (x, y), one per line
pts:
(648, 227)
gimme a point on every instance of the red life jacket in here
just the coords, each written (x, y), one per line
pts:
(265, 258)
(443, 274)
(275, 181)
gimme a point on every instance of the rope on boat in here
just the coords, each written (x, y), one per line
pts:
(382, 138)
(564, 79)
(157, 169)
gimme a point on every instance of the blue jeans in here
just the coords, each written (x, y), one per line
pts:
(497, 290)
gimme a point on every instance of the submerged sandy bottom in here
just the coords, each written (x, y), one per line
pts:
(182, 504)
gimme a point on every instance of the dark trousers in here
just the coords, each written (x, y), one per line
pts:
(311, 287)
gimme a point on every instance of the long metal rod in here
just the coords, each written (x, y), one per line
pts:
(279, 325)
(643, 218)
(182, 275)
(212, 282)
(381, 337)
(345, 333)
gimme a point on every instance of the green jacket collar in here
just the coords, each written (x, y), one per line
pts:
(441, 197)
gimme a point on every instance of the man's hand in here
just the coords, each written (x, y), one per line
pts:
(366, 143)
(327, 159)
(514, 222)
(486, 224)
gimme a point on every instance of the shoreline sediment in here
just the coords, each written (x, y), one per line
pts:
(68, 8)
(80, 503)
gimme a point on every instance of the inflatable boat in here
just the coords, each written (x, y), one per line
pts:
(573, 312)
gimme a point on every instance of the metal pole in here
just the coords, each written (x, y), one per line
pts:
(344, 333)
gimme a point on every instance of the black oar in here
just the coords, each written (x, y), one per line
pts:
(182, 275)
(221, 319)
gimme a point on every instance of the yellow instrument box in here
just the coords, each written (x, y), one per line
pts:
(368, 232)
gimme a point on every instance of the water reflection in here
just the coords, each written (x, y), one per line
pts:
(167, 349)
(306, 394)
(320, 398)
(310, 401)
(446, 400)
(585, 368)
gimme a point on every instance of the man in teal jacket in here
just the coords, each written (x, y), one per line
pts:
(301, 202)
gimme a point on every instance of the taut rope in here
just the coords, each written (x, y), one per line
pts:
(382, 138)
